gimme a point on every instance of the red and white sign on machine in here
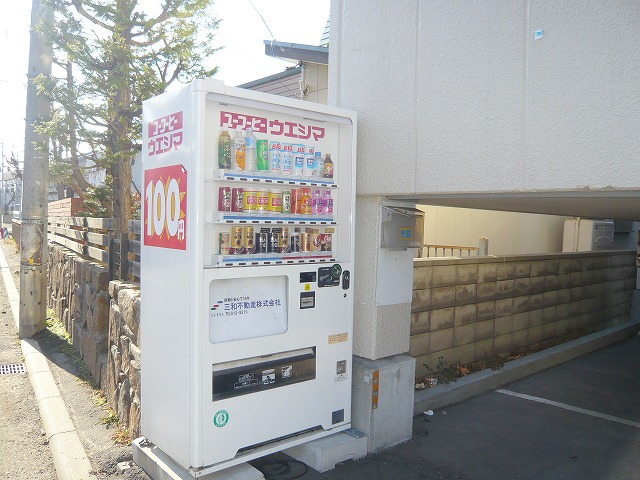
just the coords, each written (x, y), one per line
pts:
(165, 206)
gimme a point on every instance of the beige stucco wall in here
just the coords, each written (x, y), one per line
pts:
(508, 233)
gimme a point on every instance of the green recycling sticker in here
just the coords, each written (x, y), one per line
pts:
(221, 418)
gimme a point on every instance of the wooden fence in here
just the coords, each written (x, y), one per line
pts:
(96, 238)
(125, 254)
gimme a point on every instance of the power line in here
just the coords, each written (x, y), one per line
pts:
(263, 20)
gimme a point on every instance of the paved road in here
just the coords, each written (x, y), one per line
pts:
(579, 421)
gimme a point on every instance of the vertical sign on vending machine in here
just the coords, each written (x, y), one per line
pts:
(248, 248)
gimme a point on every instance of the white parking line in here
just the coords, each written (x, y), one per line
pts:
(570, 407)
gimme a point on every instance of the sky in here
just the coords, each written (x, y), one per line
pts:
(241, 33)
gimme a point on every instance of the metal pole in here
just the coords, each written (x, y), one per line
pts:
(33, 235)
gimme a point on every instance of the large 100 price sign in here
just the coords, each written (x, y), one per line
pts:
(165, 207)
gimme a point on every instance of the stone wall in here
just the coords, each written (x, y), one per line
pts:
(466, 309)
(121, 381)
(78, 293)
(103, 319)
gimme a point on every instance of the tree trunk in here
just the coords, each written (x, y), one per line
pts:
(122, 147)
(80, 181)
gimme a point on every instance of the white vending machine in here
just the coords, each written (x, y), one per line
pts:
(246, 261)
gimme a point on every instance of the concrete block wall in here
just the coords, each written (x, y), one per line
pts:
(103, 319)
(464, 309)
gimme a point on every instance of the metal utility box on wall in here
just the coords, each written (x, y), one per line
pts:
(583, 235)
(402, 227)
(247, 344)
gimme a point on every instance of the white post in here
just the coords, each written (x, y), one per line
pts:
(483, 247)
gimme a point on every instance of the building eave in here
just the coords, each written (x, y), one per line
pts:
(297, 51)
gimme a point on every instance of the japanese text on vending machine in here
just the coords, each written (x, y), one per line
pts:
(271, 127)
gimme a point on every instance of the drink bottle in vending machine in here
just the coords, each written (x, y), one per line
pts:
(246, 260)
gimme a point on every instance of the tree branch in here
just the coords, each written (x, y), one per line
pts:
(80, 9)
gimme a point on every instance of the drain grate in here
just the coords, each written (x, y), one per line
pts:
(12, 369)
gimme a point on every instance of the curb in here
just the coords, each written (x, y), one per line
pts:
(69, 456)
(487, 380)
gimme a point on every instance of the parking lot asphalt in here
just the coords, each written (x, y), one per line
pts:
(579, 420)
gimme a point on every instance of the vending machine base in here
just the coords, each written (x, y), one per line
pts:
(159, 466)
(324, 453)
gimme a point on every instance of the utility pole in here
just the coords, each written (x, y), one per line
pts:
(33, 232)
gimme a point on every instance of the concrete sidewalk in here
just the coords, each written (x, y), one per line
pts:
(69, 457)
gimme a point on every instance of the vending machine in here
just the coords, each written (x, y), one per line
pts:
(246, 262)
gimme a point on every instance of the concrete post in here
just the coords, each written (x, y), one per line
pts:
(33, 237)
(383, 284)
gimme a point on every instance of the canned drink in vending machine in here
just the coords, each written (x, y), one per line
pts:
(262, 241)
(237, 200)
(275, 156)
(236, 241)
(262, 201)
(275, 201)
(309, 162)
(318, 165)
(296, 203)
(317, 202)
(224, 199)
(224, 239)
(283, 240)
(326, 242)
(287, 159)
(295, 242)
(299, 159)
(314, 240)
(286, 201)
(272, 246)
(305, 201)
(250, 201)
(327, 202)
(262, 148)
(276, 234)
(305, 242)
(248, 239)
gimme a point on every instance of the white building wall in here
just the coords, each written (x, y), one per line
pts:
(458, 101)
(460, 97)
